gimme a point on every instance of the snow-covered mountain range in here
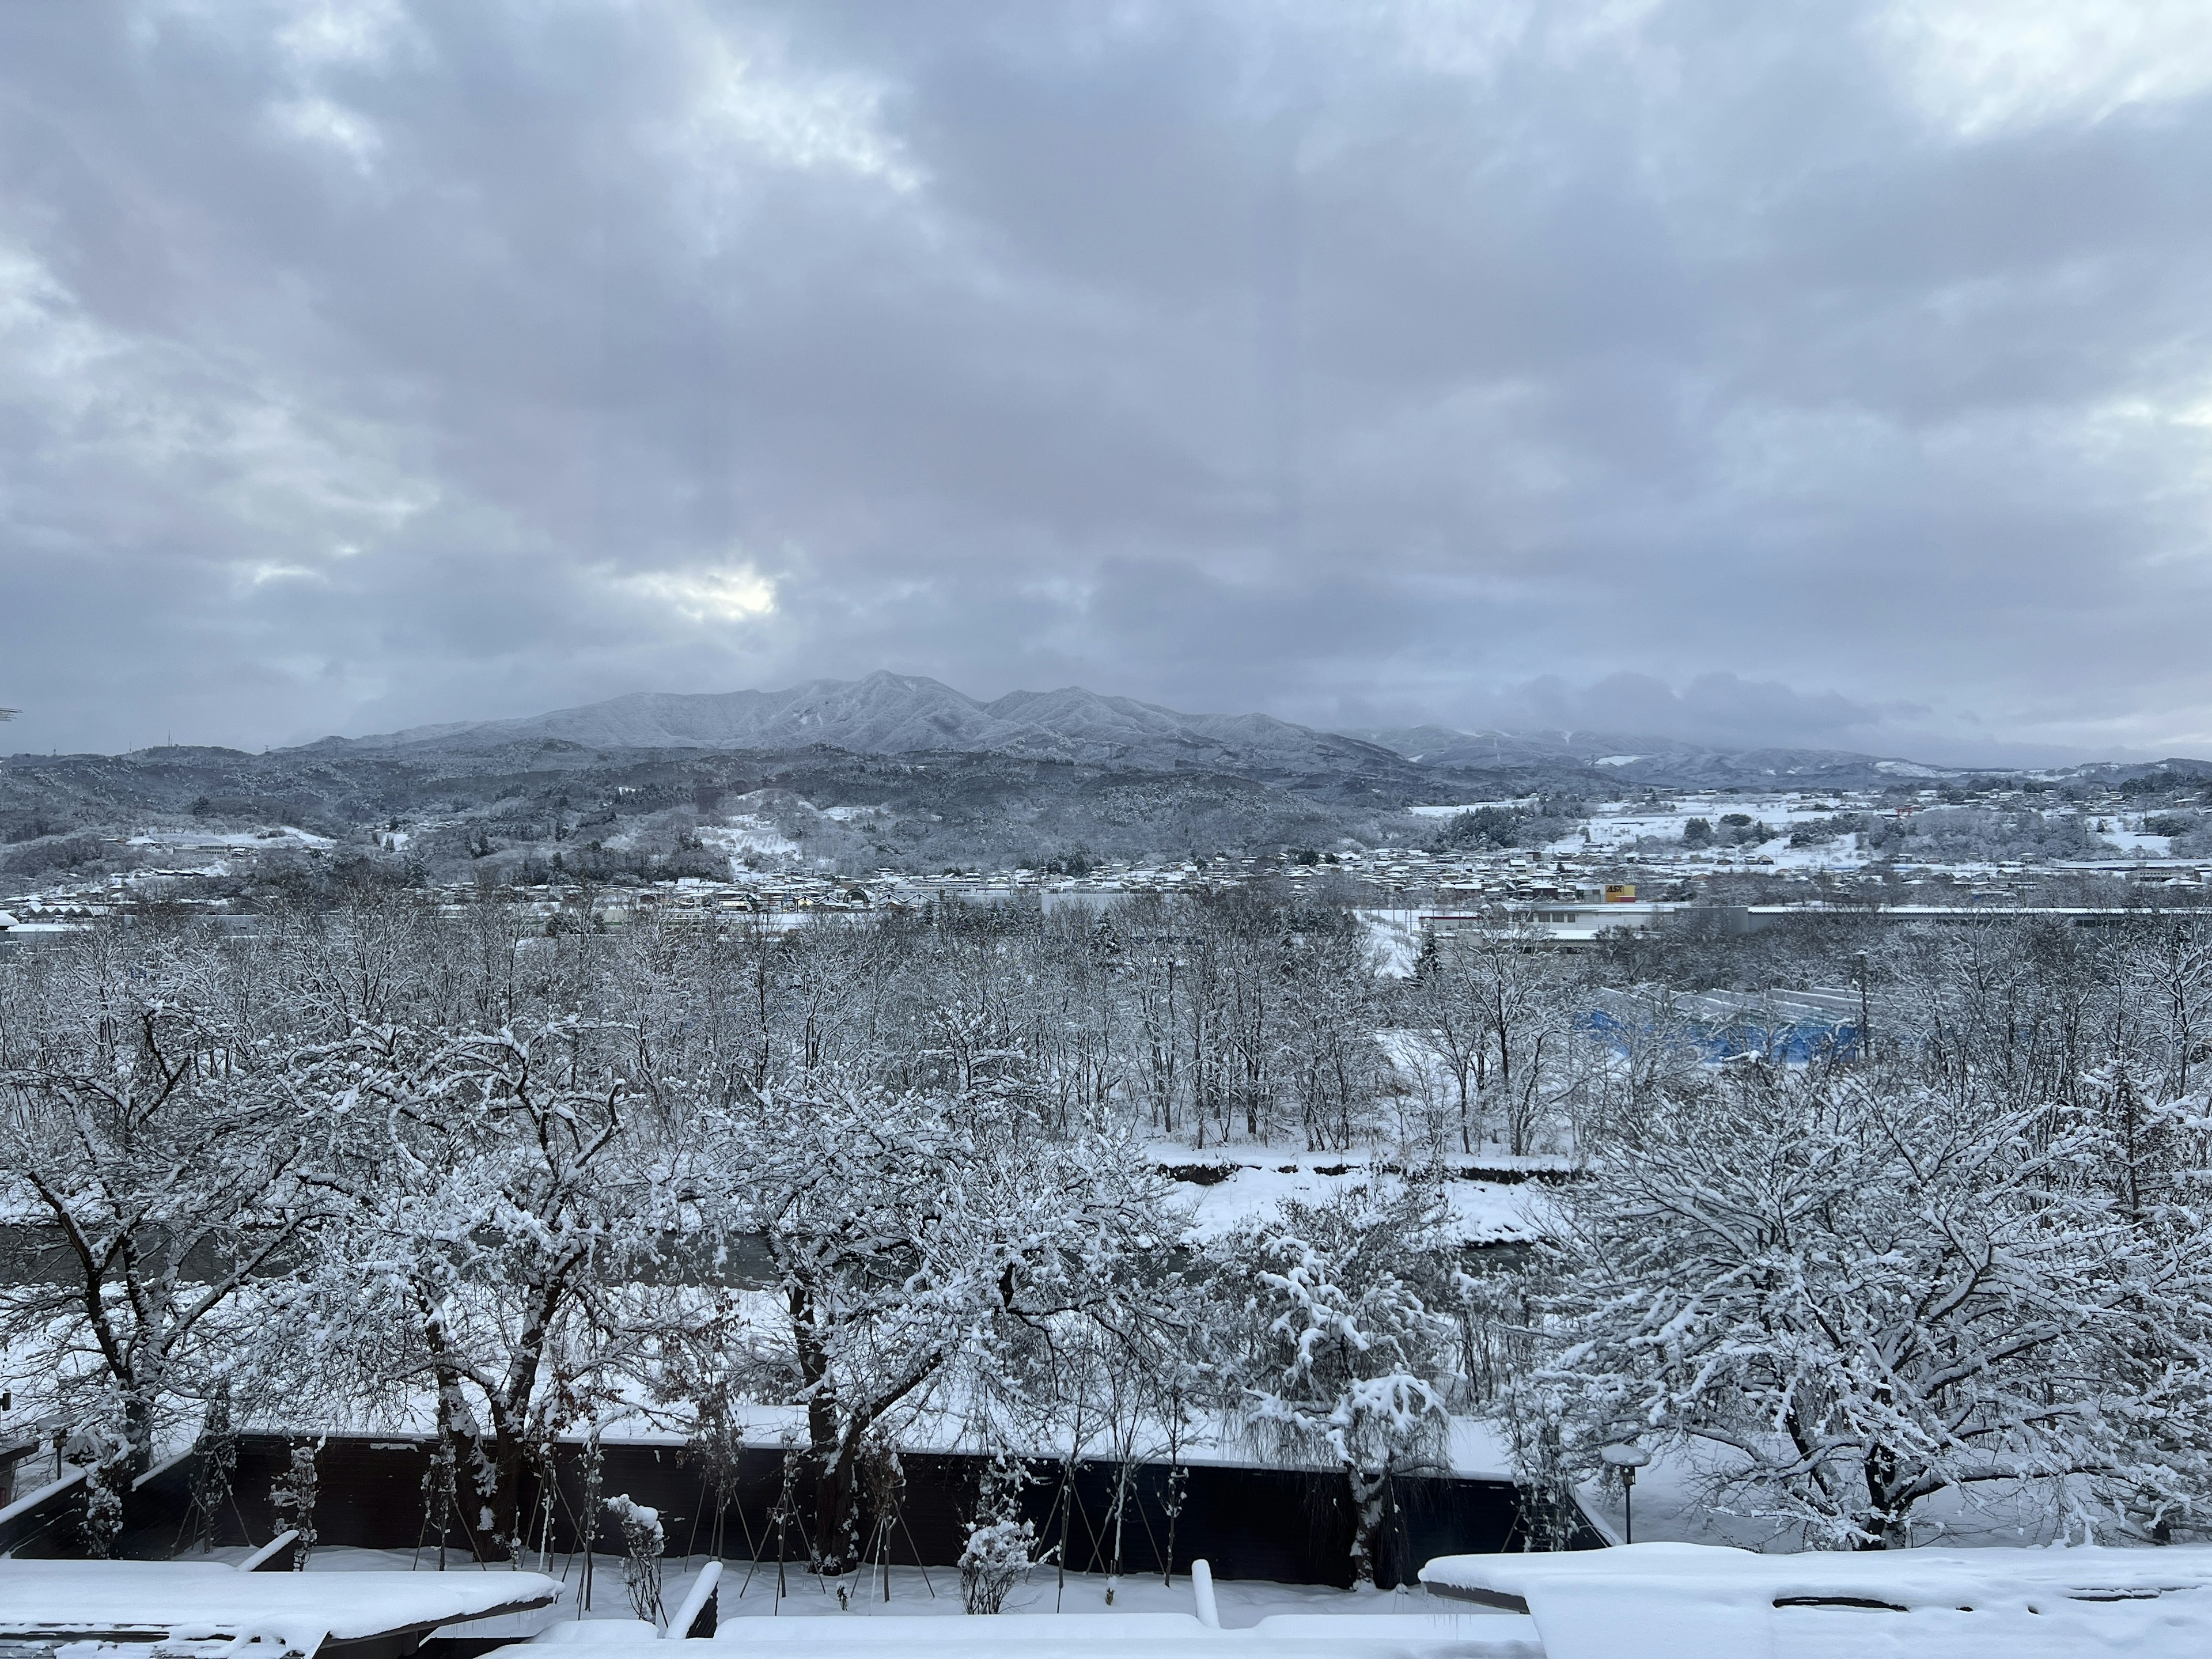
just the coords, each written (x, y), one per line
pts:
(945, 777)
(888, 713)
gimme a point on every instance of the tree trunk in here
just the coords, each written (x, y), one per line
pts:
(504, 1502)
(834, 1511)
(1368, 1487)
(138, 1430)
(830, 1449)
(1885, 1523)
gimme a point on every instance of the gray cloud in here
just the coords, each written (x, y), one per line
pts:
(1814, 374)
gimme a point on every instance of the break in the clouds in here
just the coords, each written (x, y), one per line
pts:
(1802, 371)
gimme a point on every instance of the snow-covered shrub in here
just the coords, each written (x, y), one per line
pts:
(292, 1497)
(717, 1448)
(996, 1558)
(1001, 1547)
(883, 1490)
(643, 1545)
(1334, 1344)
(104, 1482)
(441, 1494)
(591, 1478)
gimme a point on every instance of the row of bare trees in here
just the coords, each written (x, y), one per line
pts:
(1242, 1017)
(398, 1167)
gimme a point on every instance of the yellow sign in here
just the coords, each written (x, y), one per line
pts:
(1621, 892)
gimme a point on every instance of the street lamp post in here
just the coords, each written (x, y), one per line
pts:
(1627, 1457)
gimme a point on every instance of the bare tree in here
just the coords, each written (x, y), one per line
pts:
(914, 1235)
(504, 1191)
(161, 1145)
(1862, 1292)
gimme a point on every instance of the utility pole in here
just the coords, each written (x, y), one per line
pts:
(1866, 1016)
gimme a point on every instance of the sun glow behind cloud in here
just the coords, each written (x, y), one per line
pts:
(1981, 66)
(749, 107)
(733, 594)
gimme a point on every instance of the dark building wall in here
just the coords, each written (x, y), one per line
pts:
(1290, 1525)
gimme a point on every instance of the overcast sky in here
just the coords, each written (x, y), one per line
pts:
(1805, 373)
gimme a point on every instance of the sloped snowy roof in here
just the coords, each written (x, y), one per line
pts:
(195, 1601)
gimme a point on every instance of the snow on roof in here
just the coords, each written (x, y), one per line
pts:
(1697, 1601)
(195, 1601)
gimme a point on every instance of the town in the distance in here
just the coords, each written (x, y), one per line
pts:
(1561, 838)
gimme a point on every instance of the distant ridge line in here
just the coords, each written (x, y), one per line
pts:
(888, 713)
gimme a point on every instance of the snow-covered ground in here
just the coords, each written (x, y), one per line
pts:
(2126, 832)
(1647, 1602)
(1258, 1183)
(269, 838)
(1616, 827)
(744, 833)
(1393, 941)
(1675, 1502)
(756, 1590)
(1682, 1601)
(1454, 811)
(935, 1592)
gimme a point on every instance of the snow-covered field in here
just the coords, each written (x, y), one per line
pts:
(1647, 1602)
(756, 1590)
(935, 1592)
(1682, 1601)
(747, 833)
(1617, 827)
(1255, 1190)
(1393, 941)
(196, 841)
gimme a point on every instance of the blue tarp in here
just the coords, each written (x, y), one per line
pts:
(1726, 1026)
